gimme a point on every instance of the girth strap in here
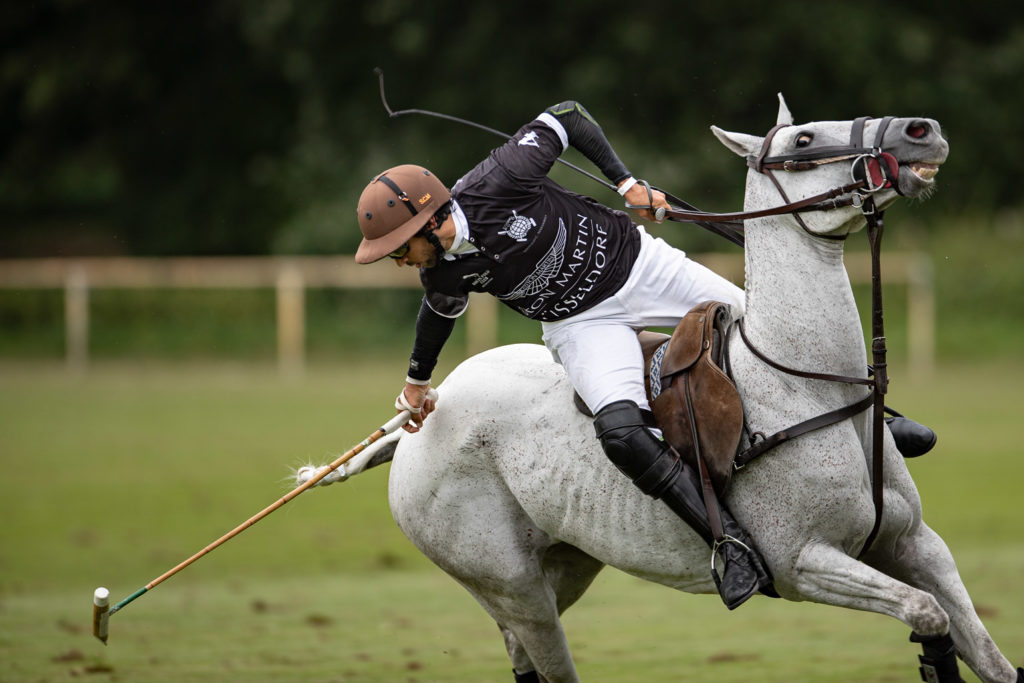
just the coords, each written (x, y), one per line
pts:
(765, 444)
(832, 417)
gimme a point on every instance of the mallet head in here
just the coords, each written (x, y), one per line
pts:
(101, 613)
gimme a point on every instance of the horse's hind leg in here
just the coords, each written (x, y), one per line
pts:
(569, 572)
(504, 568)
(526, 611)
(923, 561)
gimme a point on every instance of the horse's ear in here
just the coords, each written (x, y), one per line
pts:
(784, 115)
(740, 143)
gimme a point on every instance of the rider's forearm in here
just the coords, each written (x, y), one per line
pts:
(432, 331)
(586, 135)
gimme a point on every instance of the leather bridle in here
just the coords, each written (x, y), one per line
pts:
(872, 169)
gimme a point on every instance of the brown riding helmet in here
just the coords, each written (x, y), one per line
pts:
(394, 207)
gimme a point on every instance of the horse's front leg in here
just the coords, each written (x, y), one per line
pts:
(922, 559)
(828, 575)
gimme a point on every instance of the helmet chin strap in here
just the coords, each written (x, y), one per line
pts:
(431, 236)
(429, 231)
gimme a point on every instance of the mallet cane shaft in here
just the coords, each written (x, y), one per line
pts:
(102, 611)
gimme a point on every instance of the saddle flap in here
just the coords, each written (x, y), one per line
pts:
(694, 335)
(693, 384)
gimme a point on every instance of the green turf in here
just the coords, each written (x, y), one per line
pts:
(112, 478)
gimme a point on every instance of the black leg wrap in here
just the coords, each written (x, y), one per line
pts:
(660, 473)
(938, 663)
(528, 677)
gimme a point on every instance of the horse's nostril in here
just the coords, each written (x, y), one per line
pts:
(918, 129)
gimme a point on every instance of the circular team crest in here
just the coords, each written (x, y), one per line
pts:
(517, 226)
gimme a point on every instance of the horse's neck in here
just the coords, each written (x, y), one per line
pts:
(800, 308)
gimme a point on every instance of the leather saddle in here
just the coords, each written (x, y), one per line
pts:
(695, 404)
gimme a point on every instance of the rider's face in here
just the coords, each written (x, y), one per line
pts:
(421, 254)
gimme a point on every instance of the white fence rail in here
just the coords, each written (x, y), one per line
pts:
(291, 276)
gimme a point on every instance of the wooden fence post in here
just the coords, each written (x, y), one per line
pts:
(76, 318)
(481, 323)
(291, 320)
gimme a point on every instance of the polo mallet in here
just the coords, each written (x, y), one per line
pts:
(102, 610)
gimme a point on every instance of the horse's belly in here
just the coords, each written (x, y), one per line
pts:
(507, 454)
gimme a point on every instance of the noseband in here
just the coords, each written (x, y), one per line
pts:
(881, 166)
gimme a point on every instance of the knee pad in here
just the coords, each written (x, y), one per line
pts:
(624, 431)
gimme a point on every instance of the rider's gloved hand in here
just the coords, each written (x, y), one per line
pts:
(419, 399)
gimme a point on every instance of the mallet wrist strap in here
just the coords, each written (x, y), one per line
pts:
(402, 403)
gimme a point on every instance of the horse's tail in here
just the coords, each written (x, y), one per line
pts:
(377, 453)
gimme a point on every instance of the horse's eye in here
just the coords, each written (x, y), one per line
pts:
(804, 139)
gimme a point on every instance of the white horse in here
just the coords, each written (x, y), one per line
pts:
(507, 489)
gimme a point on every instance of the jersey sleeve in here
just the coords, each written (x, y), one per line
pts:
(583, 133)
(533, 150)
(432, 331)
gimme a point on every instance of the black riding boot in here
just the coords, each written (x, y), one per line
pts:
(912, 438)
(660, 473)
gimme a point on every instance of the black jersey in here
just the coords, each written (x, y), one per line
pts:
(545, 251)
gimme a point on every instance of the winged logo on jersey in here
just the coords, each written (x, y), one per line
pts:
(548, 267)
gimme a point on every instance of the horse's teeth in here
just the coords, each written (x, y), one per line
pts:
(924, 171)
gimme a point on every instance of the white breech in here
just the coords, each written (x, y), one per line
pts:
(599, 348)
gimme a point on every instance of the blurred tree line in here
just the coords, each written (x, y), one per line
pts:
(223, 126)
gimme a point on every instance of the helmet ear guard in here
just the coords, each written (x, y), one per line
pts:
(395, 206)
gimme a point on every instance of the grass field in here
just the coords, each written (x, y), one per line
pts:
(113, 478)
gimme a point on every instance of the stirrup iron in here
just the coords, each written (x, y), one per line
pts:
(719, 543)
